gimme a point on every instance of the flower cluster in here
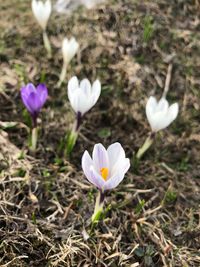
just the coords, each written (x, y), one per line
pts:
(107, 167)
(42, 12)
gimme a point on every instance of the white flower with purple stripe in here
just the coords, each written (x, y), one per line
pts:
(107, 168)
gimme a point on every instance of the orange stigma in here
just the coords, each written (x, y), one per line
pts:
(104, 173)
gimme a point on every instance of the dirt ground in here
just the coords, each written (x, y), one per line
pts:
(153, 217)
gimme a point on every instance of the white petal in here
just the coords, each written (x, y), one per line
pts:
(115, 154)
(171, 114)
(89, 171)
(100, 157)
(96, 91)
(79, 101)
(173, 111)
(162, 105)
(75, 100)
(69, 49)
(65, 47)
(120, 166)
(73, 85)
(96, 179)
(86, 164)
(47, 10)
(151, 103)
(118, 177)
(150, 108)
(41, 12)
(85, 86)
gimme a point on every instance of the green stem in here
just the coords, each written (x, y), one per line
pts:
(62, 74)
(34, 137)
(47, 44)
(98, 207)
(71, 141)
(73, 135)
(148, 142)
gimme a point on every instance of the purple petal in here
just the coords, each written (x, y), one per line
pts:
(42, 93)
(100, 157)
(33, 103)
(25, 92)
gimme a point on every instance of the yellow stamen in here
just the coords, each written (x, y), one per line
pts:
(104, 173)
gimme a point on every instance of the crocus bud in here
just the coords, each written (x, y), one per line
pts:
(159, 114)
(34, 98)
(69, 49)
(106, 168)
(42, 12)
(83, 96)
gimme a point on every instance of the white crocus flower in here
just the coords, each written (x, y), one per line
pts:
(42, 12)
(69, 49)
(83, 96)
(105, 170)
(159, 114)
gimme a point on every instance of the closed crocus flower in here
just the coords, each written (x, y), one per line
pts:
(83, 96)
(42, 12)
(69, 49)
(34, 98)
(159, 114)
(106, 168)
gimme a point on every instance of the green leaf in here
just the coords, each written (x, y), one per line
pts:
(170, 197)
(148, 29)
(139, 207)
(8, 124)
(71, 141)
(96, 217)
(104, 133)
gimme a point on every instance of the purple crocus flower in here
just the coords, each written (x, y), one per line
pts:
(106, 168)
(34, 99)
